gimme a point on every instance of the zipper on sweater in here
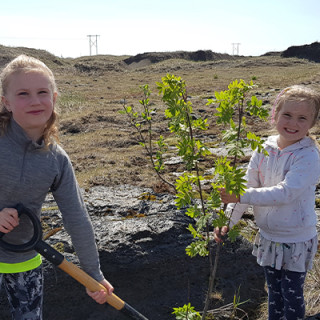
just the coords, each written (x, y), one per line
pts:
(275, 163)
(25, 151)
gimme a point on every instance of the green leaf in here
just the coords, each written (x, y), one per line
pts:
(193, 211)
(233, 233)
(193, 231)
(221, 220)
(187, 312)
(199, 247)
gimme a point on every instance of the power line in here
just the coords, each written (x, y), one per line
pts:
(235, 48)
(40, 38)
(93, 42)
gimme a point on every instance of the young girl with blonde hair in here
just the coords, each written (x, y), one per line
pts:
(32, 163)
(281, 189)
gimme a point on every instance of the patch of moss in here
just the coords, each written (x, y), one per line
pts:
(147, 196)
(59, 246)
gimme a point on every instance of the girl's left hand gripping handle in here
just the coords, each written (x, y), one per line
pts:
(90, 283)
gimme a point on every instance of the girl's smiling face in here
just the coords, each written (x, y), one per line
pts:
(30, 98)
(293, 122)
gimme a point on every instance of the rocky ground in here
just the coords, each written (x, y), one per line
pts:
(142, 239)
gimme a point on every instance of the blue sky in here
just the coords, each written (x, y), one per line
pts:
(136, 26)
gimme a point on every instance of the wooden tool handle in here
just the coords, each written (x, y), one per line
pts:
(90, 283)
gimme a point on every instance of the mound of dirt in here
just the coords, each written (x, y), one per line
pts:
(9, 53)
(200, 55)
(99, 64)
(310, 52)
(272, 54)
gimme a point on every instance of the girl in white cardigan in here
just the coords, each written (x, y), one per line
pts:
(281, 189)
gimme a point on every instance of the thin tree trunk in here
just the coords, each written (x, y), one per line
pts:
(213, 272)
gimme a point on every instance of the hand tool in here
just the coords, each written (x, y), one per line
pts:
(36, 243)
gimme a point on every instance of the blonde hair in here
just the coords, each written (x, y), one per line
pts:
(298, 93)
(25, 64)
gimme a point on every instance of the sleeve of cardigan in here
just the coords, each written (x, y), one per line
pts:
(303, 173)
(236, 210)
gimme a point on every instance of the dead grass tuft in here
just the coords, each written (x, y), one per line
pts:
(312, 289)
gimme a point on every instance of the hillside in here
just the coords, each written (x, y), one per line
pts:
(92, 89)
(8, 53)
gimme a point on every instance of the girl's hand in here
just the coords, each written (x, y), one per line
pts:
(226, 197)
(9, 219)
(100, 296)
(219, 233)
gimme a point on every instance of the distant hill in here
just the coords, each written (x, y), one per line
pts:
(200, 55)
(310, 52)
(9, 53)
(102, 63)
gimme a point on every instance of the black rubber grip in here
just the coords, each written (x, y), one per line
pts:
(49, 253)
(37, 232)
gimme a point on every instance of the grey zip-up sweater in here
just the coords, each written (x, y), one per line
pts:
(28, 172)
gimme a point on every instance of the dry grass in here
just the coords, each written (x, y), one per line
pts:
(312, 289)
(90, 102)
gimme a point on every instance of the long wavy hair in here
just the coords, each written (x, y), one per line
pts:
(24, 63)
